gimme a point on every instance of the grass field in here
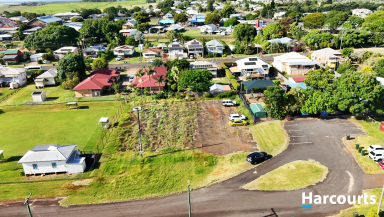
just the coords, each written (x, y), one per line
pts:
(270, 136)
(5, 92)
(363, 209)
(291, 176)
(374, 137)
(65, 7)
(13, 8)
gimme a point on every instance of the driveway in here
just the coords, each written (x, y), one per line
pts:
(320, 140)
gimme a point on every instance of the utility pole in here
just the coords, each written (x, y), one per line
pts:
(29, 209)
(378, 210)
(138, 109)
(189, 199)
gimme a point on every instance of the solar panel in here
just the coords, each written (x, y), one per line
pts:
(249, 63)
(252, 59)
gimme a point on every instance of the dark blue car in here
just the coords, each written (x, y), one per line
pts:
(257, 157)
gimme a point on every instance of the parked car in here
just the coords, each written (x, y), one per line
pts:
(236, 117)
(150, 61)
(6, 41)
(257, 157)
(119, 58)
(375, 148)
(376, 155)
(237, 122)
(228, 102)
(263, 52)
(381, 164)
(46, 61)
(130, 79)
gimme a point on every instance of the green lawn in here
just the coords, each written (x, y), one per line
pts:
(13, 8)
(291, 176)
(222, 81)
(65, 7)
(54, 94)
(5, 92)
(270, 136)
(374, 137)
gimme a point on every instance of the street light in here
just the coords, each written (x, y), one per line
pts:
(138, 109)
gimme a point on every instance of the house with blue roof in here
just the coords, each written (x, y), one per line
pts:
(43, 21)
(75, 25)
(197, 20)
(129, 23)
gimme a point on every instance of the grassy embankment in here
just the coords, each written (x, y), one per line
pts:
(374, 137)
(291, 176)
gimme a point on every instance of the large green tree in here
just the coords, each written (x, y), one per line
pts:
(227, 11)
(212, 18)
(285, 23)
(379, 68)
(92, 30)
(71, 63)
(316, 39)
(196, 80)
(358, 92)
(141, 17)
(244, 32)
(376, 28)
(354, 38)
(275, 101)
(52, 36)
(319, 80)
(314, 21)
(181, 17)
(272, 30)
(99, 63)
(334, 19)
(231, 22)
(374, 16)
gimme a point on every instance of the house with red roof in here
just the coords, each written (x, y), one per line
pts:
(97, 83)
(151, 82)
(297, 79)
(152, 53)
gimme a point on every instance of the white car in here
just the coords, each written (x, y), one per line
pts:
(228, 102)
(119, 58)
(236, 117)
(375, 148)
(46, 61)
(130, 79)
(376, 155)
(149, 61)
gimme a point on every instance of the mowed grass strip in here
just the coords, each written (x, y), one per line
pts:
(374, 137)
(291, 176)
(270, 137)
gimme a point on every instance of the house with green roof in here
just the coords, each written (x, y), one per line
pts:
(215, 46)
(12, 55)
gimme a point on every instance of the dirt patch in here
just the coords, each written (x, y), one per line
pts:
(82, 182)
(73, 187)
(220, 171)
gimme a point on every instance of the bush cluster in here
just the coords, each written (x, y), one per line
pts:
(227, 94)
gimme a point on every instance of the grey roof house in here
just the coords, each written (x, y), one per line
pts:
(47, 78)
(215, 46)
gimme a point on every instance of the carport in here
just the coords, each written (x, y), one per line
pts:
(256, 84)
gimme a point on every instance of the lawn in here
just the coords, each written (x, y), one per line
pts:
(50, 9)
(363, 209)
(134, 59)
(270, 136)
(374, 137)
(222, 81)
(54, 94)
(291, 176)
(4, 92)
(13, 8)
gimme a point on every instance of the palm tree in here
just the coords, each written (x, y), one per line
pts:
(160, 79)
(171, 34)
(150, 72)
(139, 74)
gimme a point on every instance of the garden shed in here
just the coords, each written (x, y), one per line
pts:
(258, 110)
(39, 96)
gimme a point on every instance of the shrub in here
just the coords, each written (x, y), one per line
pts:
(227, 94)
(12, 63)
(160, 95)
(235, 84)
(180, 96)
(277, 82)
(40, 61)
(207, 95)
(224, 55)
(372, 212)
(229, 74)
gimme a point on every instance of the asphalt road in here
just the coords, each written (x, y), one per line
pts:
(309, 139)
(145, 64)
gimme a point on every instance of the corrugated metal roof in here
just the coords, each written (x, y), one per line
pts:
(11, 52)
(49, 19)
(51, 73)
(9, 57)
(42, 153)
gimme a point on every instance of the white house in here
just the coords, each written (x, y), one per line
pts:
(361, 12)
(44, 159)
(293, 64)
(284, 40)
(152, 53)
(47, 78)
(194, 47)
(175, 50)
(124, 50)
(251, 67)
(10, 74)
(36, 57)
(215, 46)
(199, 65)
(210, 28)
(167, 16)
(60, 53)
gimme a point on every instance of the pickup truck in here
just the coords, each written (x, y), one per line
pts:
(228, 102)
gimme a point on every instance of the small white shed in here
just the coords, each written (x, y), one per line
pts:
(104, 122)
(39, 96)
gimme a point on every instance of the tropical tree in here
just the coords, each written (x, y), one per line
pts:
(181, 17)
(244, 32)
(150, 72)
(275, 101)
(196, 80)
(272, 30)
(314, 20)
(139, 36)
(160, 79)
(139, 74)
(157, 63)
(171, 34)
(99, 63)
(71, 63)
(212, 18)
(227, 10)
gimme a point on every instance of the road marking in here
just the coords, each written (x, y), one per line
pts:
(307, 207)
(294, 130)
(300, 143)
(351, 182)
(290, 125)
(298, 136)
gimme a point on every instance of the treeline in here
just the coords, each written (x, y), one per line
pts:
(98, 0)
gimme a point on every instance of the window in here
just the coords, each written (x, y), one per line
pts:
(54, 165)
(35, 166)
